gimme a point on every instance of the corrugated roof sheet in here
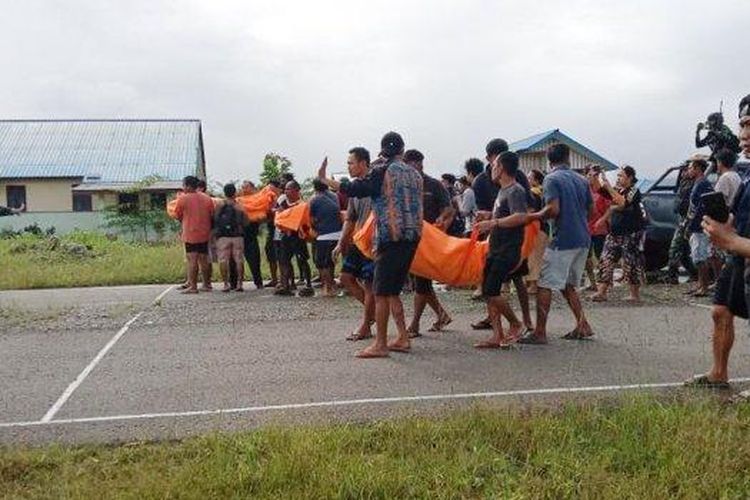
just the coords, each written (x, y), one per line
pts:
(556, 134)
(100, 150)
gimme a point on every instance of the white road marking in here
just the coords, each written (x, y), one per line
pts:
(354, 402)
(86, 371)
(702, 306)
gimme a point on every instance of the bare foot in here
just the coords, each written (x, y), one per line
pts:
(189, 291)
(400, 346)
(413, 331)
(599, 297)
(488, 344)
(515, 331)
(373, 351)
(361, 334)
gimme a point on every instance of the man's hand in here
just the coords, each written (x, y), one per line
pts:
(485, 226)
(701, 126)
(724, 235)
(338, 250)
(601, 224)
(322, 171)
(482, 215)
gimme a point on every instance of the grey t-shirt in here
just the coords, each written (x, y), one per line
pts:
(358, 211)
(510, 200)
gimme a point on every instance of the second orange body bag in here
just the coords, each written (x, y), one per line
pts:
(447, 259)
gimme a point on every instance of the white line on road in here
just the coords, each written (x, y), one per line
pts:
(356, 402)
(86, 371)
(702, 306)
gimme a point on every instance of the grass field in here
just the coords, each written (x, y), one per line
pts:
(89, 259)
(639, 448)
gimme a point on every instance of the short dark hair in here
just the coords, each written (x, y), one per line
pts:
(202, 184)
(449, 178)
(274, 183)
(191, 181)
(292, 185)
(726, 157)
(319, 186)
(464, 180)
(509, 161)
(496, 147)
(413, 155)
(230, 190)
(474, 166)
(630, 172)
(392, 145)
(744, 107)
(558, 153)
(538, 175)
(361, 154)
(286, 177)
(700, 163)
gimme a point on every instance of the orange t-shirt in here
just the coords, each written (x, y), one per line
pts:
(195, 211)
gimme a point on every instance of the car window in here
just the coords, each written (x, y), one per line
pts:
(669, 182)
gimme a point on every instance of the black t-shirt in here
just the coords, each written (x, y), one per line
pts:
(510, 200)
(435, 198)
(630, 219)
(485, 191)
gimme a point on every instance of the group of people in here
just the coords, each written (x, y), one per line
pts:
(589, 227)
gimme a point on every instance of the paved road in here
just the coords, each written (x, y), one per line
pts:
(254, 351)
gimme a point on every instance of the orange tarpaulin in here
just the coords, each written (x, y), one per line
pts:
(296, 219)
(450, 260)
(256, 205)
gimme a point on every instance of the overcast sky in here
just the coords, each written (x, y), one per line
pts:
(314, 78)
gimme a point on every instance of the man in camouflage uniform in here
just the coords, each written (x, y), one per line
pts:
(679, 249)
(718, 135)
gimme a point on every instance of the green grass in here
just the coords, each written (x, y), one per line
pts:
(640, 448)
(40, 262)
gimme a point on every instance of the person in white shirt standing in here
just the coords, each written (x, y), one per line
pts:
(729, 180)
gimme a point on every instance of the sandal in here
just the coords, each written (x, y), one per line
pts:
(482, 325)
(703, 382)
(531, 339)
(355, 336)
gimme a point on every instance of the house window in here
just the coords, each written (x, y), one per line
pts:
(127, 202)
(16, 196)
(158, 200)
(82, 202)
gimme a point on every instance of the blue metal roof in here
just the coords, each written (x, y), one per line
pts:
(534, 140)
(101, 150)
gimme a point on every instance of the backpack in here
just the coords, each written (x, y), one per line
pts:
(226, 222)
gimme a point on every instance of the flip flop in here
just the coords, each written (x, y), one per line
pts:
(482, 325)
(355, 336)
(531, 339)
(703, 382)
(189, 291)
(364, 354)
(572, 335)
(396, 348)
(486, 344)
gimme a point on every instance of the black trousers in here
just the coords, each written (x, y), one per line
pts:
(252, 256)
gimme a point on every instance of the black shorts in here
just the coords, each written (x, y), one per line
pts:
(201, 248)
(270, 246)
(521, 271)
(392, 264)
(498, 270)
(730, 287)
(423, 286)
(322, 254)
(293, 246)
(359, 266)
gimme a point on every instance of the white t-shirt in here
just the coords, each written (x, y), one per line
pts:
(728, 185)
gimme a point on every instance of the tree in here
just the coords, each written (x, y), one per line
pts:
(273, 166)
(138, 220)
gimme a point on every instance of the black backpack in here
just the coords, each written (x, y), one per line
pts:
(226, 222)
